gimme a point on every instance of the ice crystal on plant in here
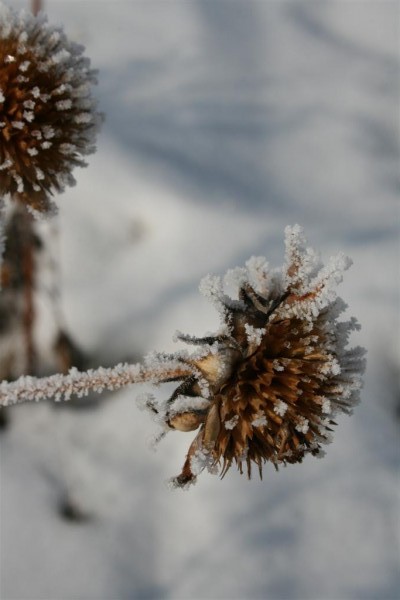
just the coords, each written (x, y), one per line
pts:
(260, 420)
(232, 422)
(280, 408)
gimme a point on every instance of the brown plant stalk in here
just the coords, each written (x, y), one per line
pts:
(28, 268)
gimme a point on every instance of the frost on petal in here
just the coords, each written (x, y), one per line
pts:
(302, 426)
(260, 420)
(258, 274)
(254, 335)
(231, 424)
(280, 408)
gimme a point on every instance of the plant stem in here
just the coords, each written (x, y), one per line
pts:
(62, 387)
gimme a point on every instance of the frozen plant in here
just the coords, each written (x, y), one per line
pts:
(266, 387)
(48, 118)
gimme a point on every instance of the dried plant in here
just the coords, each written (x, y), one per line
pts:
(266, 387)
(268, 384)
(48, 122)
(48, 118)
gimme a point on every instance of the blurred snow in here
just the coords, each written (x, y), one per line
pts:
(225, 121)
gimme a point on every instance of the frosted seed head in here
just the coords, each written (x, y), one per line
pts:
(38, 63)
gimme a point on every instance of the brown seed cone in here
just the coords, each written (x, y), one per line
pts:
(47, 118)
(282, 370)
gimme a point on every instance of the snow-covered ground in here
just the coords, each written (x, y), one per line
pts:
(225, 121)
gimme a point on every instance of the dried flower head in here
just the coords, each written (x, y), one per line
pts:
(48, 119)
(268, 385)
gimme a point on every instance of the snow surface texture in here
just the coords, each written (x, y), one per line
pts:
(225, 121)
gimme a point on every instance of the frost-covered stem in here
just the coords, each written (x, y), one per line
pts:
(62, 387)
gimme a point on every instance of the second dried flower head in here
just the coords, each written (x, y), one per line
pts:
(48, 118)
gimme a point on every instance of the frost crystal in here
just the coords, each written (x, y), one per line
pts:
(302, 425)
(254, 336)
(280, 408)
(232, 422)
(326, 406)
(260, 420)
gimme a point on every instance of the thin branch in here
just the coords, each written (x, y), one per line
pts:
(77, 383)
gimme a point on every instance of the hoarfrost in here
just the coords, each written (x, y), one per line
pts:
(236, 277)
(83, 118)
(174, 484)
(254, 335)
(19, 181)
(258, 273)
(28, 116)
(211, 288)
(231, 424)
(188, 404)
(260, 420)
(48, 132)
(145, 401)
(302, 426)
(277, 366)
(24, 66)
(326, 406)
(17, 124)
(280, 408)
(6, 164)
(64, 104)
(202, 459)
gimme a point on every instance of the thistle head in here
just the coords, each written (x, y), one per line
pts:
(48, 118)
(268, 386)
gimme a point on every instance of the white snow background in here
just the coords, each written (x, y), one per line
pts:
(225, 121)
